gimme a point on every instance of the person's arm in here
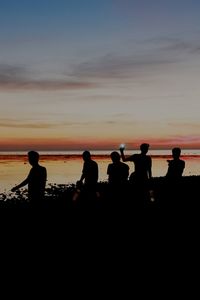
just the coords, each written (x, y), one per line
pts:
(150, 173)
(130, 158)
(23, 183)
(183, 167)
(83, 174)
(127, 171)
(45, 176)
(149, 169)
(108, 169)
(82, 178)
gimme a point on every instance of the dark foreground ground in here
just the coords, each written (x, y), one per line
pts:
(123, 225)
(160, 194)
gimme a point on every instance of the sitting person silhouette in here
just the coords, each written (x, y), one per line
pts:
(36, 179)
(176, 165)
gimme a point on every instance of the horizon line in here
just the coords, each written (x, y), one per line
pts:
(93, 149)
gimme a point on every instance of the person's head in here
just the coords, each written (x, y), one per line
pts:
(144, 148)
(115, 156)
(33, 157)
(176, 152)
(86, 155)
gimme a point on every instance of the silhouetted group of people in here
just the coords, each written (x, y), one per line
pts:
(119, 179)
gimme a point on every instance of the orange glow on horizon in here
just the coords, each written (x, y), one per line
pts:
(94, 144)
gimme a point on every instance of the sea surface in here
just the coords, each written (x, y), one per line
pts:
(65, 167)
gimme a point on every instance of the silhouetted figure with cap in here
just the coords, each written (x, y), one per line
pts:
(142, 172)
(36, 180)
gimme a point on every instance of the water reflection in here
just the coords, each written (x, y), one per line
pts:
(65, 168)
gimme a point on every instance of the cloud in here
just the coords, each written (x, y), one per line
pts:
(195, 125)
(7, 123)
(144, 56)
(113, 66)
(37, 124)
(167, 43)
(186, 141)
(13, 78)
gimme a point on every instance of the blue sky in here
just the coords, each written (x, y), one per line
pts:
(101, 72)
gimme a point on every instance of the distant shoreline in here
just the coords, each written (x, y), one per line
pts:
(100, 156)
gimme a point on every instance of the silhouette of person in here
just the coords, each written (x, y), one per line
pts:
(90, 170)
(142, 173)
(142, 162)
(118, 173)
(87, 185)
(173, 191)
(36, 180)
(176, 165)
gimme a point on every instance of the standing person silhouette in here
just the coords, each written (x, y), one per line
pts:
(142, 172)
(88, 180)
(117, 171)
(117, 178)
(36, 180)
(90, 170)
(174, 186)
(142, 162)
(176, 165)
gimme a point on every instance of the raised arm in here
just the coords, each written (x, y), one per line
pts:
(129, 158)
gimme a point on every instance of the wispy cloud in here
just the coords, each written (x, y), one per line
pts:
(113, 66)
(38, 124)
(18, 78)
(194, 125)
(170, 43)
(186, 141)
(27, 124)
(160, 51)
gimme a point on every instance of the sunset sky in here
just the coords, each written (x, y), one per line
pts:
(77, 74)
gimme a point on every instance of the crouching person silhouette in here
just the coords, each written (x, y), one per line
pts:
(36, 181)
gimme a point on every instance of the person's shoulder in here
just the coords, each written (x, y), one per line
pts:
(182, 161)
(134, 156)
(93, 164)
(125, 165)
(42, 168)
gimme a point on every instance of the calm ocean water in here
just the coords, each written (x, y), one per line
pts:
(66, 166)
